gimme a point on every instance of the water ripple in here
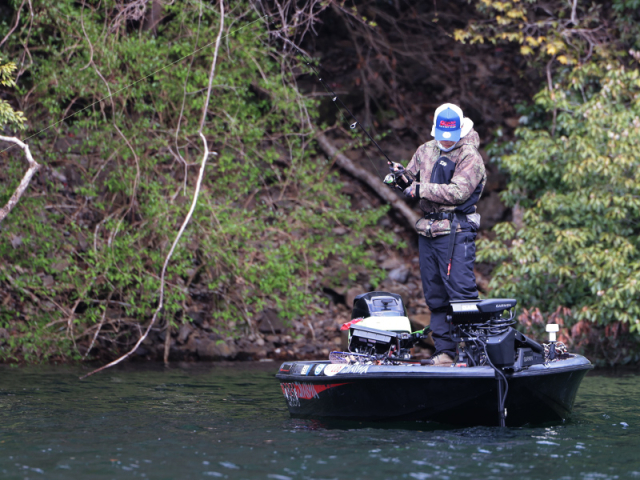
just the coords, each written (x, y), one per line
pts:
(234, 419)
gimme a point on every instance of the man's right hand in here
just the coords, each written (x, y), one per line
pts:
(412, 190)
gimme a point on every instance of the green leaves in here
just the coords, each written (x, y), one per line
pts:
(9, 116)
(271, 214)
(579, 191)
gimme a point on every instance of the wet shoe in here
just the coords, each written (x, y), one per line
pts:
(439, 360)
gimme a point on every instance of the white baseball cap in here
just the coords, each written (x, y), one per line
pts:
(450, 124)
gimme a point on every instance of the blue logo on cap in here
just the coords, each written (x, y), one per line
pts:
(448, 126)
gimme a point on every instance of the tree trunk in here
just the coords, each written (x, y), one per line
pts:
(382, 190)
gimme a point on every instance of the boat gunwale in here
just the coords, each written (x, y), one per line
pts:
(577, 363)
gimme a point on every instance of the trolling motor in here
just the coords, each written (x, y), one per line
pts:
(485, 327)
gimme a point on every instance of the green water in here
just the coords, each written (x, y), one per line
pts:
(232, 422)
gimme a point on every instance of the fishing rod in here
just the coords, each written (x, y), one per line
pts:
(399, 177)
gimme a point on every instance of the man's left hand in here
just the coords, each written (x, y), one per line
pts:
(396, 168)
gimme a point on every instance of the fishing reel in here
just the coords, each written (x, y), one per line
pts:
(399, 177)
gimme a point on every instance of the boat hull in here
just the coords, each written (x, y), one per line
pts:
(457, 396)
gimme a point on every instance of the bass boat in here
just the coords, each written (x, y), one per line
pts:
(499, 377)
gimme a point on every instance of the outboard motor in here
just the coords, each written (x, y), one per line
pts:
(489, 336)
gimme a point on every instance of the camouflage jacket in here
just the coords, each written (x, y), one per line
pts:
(447, 181)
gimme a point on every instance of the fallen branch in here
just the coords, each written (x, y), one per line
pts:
(33, 168)
(193, 206)
(369, 179)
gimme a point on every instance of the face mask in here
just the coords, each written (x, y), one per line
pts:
(447, 149)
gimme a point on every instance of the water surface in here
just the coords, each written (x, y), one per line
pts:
(231, 421)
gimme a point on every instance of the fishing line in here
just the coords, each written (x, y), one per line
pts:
(137, 81)
(353, 127)
(334, 99)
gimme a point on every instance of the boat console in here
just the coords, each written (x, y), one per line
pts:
(483, 328)
(373, 341)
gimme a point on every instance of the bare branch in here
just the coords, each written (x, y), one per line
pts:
(211, 75)
(574, 18)
(13, 283)
(15, 26)
(33, 168)
(184, 100)
(95, 336)
(134, 10)
(291, 18)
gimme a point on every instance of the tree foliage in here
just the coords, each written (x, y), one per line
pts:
(573, 256)
(8, 116)
(567, 32)
(579, 190)
(85, 252)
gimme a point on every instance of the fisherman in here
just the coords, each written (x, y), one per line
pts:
(449, 176)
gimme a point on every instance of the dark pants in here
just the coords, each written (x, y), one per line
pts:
(440, 291)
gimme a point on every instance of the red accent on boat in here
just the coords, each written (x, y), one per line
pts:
(347, 326)
(307, 391)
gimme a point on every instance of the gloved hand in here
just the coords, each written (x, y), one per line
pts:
(412, 190)
(396, 168)
(402, 178)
